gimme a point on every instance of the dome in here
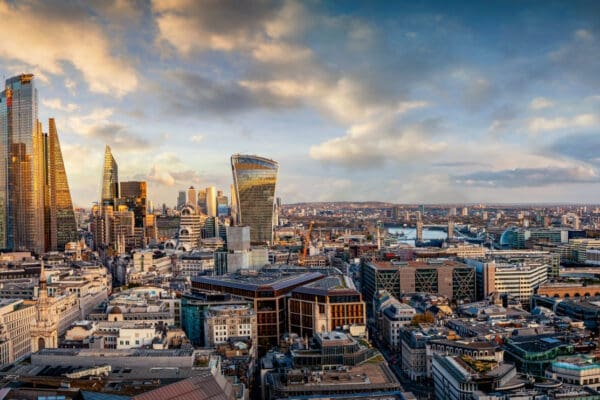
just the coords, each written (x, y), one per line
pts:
(116, 310)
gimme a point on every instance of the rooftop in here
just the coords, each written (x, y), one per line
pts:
(260, 281)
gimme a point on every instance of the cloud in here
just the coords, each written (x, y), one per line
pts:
(374, 143)
(97, 125)
(542, 124)
(528, 177)
(190, 93)
(57, 104)
(197, 138)
(579, 146)
(68, 35)
(539, 103)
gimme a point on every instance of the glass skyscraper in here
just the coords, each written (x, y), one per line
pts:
(110, 179)
(61, 227)
(22, 169)
(254, 180)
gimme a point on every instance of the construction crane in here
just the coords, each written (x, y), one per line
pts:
(306, 243)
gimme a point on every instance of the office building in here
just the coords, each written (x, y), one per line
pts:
(461, 377)
(268, 292)
(181, 199)
(222, 322)
(211, 201)
(190, 228)
(448, 278)
(21, 180)
(516, 279)
(59, 219)
(110, 179)
(192, 198)
(134, 195)
(326, 305)
(15, 325)
(254, 181)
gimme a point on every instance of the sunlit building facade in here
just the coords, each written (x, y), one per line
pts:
(21, 175)
(254, 181)
(110, 179)
(60, 225)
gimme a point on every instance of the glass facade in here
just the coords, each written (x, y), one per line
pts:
(254, 181)
(22, 172)
(110, 179)
(61, 227)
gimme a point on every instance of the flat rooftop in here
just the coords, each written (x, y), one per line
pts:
(433, 263)
(260, 281)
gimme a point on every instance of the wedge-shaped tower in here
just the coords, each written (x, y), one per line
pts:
(61, 227)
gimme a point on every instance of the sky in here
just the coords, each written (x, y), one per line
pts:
(405, 102)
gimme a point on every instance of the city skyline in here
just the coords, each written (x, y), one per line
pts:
(403, 103)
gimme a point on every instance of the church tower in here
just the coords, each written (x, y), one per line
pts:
(44, 332)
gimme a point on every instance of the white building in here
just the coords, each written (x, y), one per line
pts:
(229, 321)
(520, 280)
(15, 325)
(195, 262)
(578, 370)
(395, 315)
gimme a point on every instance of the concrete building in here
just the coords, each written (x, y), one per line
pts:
(195, 262)
(518, 280)
(448, 278)
(190, 228)
(224, 322)
(460, 377)
(394, 316)
(578, 370)
(15, 329)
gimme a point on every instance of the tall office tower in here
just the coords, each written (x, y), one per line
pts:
(110, 179)
(202, 201)
(233, 207)
(22, 170)
(60, 226)
(135, 196)
(222, 205)
(211, 201)
(254, 180)
(181, 199)
(192, 197)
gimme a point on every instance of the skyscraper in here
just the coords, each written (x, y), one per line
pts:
(254, 180)
(181, 199)
(211, 201)
(22, 169)
(192, 197)
(110, 179)
(60, 227)
(135, 196)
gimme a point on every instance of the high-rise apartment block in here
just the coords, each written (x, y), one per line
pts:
(254, 181)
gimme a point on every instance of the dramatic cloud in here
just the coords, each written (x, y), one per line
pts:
(580, 146)
(382, 139)
(527, 177)
(68, 35)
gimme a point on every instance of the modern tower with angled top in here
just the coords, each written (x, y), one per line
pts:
(110, 179)
(60, 225)
(22, 169)
(254, 180)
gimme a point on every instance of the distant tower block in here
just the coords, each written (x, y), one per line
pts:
(450, 229)
(419, 230)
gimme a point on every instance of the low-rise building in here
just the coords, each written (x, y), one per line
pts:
(223, 322)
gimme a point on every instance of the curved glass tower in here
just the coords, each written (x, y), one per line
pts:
(110, 179)
(254, 180)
